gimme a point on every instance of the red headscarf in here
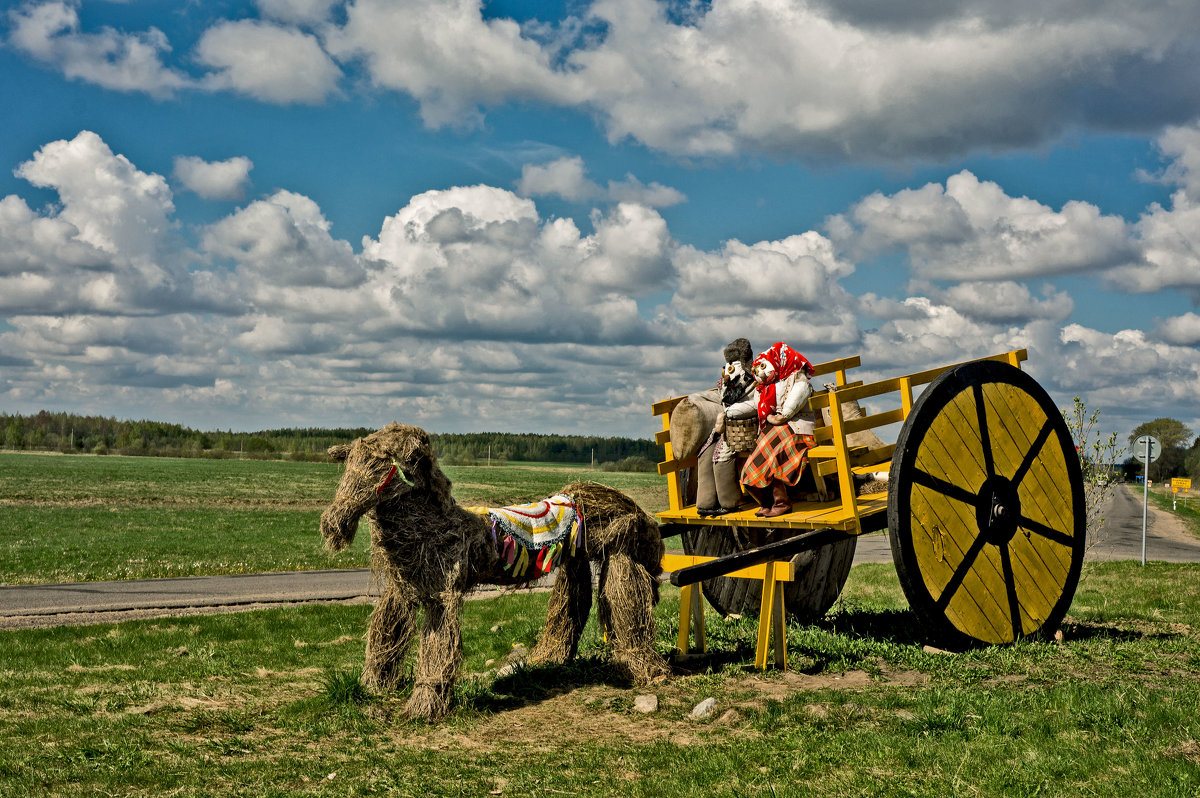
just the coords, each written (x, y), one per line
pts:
(783, 362)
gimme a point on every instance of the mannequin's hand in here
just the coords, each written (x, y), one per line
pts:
(719, 427)
(776, 420)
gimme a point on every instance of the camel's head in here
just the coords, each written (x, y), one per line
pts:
(385, 466)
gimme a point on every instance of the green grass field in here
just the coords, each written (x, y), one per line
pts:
(71, 518)
(1185, 505)
(267, 703)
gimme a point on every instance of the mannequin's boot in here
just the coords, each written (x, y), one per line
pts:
(782, 503)
(763, 497)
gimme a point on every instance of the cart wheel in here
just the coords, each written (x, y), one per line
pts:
(820, 574)
(986, 508)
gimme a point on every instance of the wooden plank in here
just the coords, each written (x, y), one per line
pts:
(845, 479)
(665, 406)
(662, 436)
(766, 612)
(920, 377)
(672, 466)
(697, 607)
(883, 454)
(834, 517)
(820, 399)
(831, 366)
(872, 421)
(824, 468)
(872, 468)
(675, 487)
(685, 616)
(783, 571)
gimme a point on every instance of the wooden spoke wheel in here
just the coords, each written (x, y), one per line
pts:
(820, 574)
(986, 508)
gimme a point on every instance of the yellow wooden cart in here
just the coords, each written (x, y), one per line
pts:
(984, 508)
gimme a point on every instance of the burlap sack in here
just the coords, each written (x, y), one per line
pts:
(691, 421)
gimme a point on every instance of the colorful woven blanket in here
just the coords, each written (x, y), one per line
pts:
(532, 538)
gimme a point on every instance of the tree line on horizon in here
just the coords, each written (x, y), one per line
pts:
(72, 433)
(1180, 455)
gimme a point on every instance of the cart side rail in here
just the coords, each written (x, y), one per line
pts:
(832, 456)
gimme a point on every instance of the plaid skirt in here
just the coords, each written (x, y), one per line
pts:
(779, 454)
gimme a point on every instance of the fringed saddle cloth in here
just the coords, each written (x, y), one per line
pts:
(532, 538)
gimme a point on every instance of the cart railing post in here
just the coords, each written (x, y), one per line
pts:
(906, 397)
(845, 475)
(674, 483)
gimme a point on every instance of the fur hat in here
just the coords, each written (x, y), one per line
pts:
(739, 349)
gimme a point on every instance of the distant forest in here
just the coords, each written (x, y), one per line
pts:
(67, 432)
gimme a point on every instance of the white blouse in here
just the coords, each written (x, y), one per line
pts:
(795, 392)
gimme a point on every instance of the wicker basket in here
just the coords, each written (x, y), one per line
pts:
(741, 433)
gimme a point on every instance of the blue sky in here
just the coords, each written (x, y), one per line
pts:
(543, 216)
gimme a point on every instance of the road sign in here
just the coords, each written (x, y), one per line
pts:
(1181, 483)
(1146, 443)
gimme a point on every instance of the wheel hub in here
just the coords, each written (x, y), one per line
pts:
(998, 510)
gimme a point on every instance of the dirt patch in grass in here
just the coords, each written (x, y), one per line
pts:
(98, 668)
(605, 715)
(1189, 750)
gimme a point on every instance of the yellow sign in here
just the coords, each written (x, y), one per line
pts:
(1180, 484)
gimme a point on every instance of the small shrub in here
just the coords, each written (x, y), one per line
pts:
(343, 687)
(636, 463)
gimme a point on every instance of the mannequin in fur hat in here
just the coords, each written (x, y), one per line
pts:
(717, 489)
(786, 425)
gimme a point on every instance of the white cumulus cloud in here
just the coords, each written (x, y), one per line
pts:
(448, 57)
(470, 309)
(214, 179)
(972, 230)
(566, 177)
(1181, 330)
(1006, 302)
(297, 12)
(283, 242)
(51, 33)
(272, 63)
(1169, 238)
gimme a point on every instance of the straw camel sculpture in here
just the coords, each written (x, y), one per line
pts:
(428, 552)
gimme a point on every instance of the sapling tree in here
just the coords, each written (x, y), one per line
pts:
(1097, 456)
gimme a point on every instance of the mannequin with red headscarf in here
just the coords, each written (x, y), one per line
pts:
(786, 426)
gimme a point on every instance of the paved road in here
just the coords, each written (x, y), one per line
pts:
(1167, 540)
(34, 606)
(92, 602)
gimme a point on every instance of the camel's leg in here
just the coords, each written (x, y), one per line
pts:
(570, 603)
(439, 657)
(393, 624)
(627, 593)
